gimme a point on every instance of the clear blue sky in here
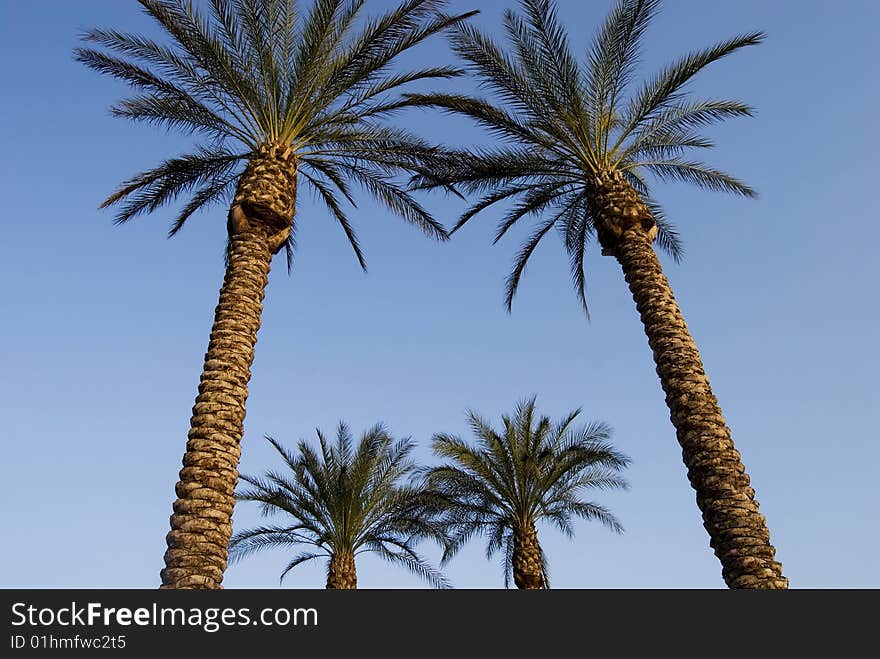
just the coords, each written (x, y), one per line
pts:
(104, 328)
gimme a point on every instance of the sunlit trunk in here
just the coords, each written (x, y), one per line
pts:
(201, 525)
(341, 573)
(528, 568)
(738, 532)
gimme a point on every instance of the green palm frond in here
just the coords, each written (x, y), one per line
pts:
(408, 559)
(299, 559)
(346, 497)
(677, 120)
(558, 121)
(696, 173)
(576, 226)
(532, 470)
(522, 259)
(612, 62)
(238, 74)
(666, 88)
(258, 539)
(667, 234)
(147, 191)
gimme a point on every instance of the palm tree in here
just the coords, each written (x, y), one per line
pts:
(532, 470)
(346, 501)
(280, 94)
(576, 146)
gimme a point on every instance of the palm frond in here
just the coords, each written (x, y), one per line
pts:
(613, 59)
(299, 559)
(667, 235)
(511, 284)
(412, 562)
(152, 189)
(543, 42)
(697, 173)
(665, 89)
(578, 225)
(332, 203)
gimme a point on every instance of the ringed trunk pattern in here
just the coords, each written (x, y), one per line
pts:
(738, 532)
(528, 568)
(259, 223)
(341, 573)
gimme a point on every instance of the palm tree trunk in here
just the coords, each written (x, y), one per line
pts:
(528, 566)
(202, 521)
(341, 574)
(738, 532)
(259, 223)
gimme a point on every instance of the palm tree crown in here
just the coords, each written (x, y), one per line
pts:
(532, 470)
(267, 79)
(572, 127)
(342, 502)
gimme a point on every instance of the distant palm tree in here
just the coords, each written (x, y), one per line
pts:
(282, 94)
(572, 151)
(532, 470)
(342, 502)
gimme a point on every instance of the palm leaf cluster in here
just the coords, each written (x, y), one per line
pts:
(344, 499)
(532, 470)
(239, 74)
(561, 122)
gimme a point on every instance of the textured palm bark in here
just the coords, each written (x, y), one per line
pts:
(266, 194)
(738, 532)
(341, 573)
(528, 568)
(259, 223)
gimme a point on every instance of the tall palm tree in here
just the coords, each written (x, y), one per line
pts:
(530, 471)
(342, 502)
(279, 94)
(575, 146)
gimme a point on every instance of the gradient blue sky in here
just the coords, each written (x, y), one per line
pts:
(104, 328)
